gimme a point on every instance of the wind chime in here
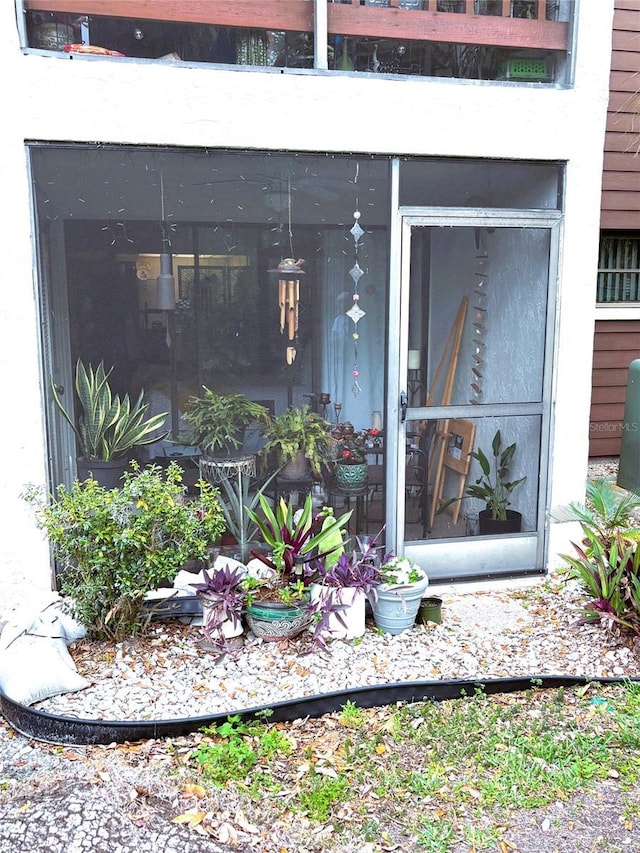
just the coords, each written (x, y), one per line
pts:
(289, 272)
(165, 282)
(355, 313)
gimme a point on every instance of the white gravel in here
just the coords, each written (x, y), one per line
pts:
(516, 632)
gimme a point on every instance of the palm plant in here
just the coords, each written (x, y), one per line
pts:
(108, 426)
(608, 512)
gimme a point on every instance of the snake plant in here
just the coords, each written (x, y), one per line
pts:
(108, 426)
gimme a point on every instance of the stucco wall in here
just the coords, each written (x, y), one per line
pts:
(52, 98)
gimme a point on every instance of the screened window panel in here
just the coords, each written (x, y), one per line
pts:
(619, 269)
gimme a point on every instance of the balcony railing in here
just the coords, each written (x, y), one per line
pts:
(508, 39)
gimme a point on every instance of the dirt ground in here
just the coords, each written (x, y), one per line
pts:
(121, 799)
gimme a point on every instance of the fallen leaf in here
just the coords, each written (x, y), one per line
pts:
(191, 818)
(244, 824)
(473, 792)
(194, 791)
(71, 756)
(326, 771)
(227, 834)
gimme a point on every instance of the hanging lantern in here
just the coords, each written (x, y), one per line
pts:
(165, 284)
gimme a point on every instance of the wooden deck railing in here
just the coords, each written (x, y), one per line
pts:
(348, 19)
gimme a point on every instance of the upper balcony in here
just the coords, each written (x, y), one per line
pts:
(525, 41)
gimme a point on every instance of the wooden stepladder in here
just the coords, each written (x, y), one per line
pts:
(458, 443)
(449, 360)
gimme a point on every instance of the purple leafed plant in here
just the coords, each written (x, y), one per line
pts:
(223, 590)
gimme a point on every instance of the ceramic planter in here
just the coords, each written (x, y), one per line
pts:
(350, 623)
(395, 608)
(351, 477)
(274, 621)
(229, 629)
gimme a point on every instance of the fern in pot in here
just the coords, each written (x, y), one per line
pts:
(301, 440)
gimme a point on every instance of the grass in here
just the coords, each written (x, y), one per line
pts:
(430, 776)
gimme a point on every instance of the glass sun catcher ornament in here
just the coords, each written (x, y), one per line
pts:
(355, 313)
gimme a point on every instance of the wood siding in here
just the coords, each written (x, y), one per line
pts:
(616, 345)
(621, 175)
(346, 19)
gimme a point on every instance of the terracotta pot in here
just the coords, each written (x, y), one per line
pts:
(297, 468)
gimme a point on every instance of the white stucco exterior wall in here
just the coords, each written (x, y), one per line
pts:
(124, 101)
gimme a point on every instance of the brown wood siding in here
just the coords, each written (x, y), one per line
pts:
(620, 207)
(616, 345)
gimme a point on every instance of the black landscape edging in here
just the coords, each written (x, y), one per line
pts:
(54, 728)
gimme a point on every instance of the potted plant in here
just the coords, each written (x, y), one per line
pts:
(494, 488)
(396, 598)
(278, 602)
(116, 545)
(346, 584)
(217, 421)
(108, 427)
(301, 439)
(350, 452)
(222, 594)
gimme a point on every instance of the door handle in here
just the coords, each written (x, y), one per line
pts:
(403, 406)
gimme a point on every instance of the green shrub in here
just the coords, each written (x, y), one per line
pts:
(114, 545)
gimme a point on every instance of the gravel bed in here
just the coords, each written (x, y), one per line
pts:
(519, 632)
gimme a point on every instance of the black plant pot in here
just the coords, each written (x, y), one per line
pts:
(108, 474)
(489, 526)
